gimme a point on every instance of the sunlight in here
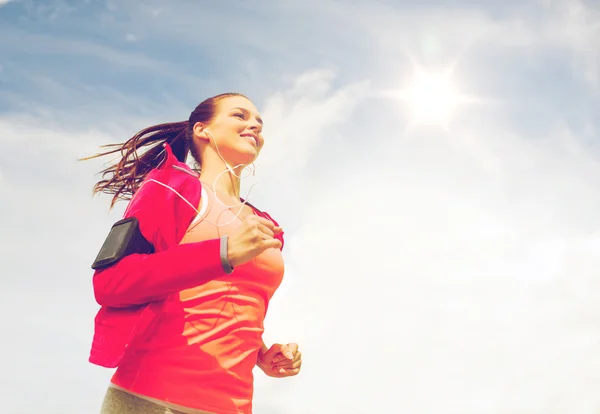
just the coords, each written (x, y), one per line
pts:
(431, 97)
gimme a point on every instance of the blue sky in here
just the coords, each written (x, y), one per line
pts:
(429, 267)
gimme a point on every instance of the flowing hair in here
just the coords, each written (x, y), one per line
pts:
(144, 151)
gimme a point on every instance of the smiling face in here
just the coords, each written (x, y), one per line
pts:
(234, 132)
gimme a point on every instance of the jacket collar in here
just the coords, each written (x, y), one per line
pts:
(171, 161)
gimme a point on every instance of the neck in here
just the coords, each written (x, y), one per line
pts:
(226, 182)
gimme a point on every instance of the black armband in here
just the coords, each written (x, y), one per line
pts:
(125, 238)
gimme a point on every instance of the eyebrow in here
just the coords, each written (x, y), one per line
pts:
(259, 119)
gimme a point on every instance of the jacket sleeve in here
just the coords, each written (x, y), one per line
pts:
(142, 278)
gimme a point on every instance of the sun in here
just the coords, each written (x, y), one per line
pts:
(431, 97)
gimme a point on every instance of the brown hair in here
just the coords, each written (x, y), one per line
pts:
(144, 151)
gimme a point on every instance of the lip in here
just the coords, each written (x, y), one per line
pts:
(254, 137)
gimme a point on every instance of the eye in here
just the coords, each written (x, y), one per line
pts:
(239, 115)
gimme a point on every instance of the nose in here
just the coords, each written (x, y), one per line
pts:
(254, 125)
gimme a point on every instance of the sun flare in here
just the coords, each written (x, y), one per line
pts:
(431, 97)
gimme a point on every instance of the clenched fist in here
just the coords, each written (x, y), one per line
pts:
(252, 238)
(280, 360)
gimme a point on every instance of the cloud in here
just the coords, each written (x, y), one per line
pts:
(577, 29)
(458, 265)
(45, 204)
(437, 36)
(437, 276)
(300, 116)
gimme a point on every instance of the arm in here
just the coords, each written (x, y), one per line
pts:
(142, 278)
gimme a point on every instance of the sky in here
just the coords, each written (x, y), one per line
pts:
(435, 166)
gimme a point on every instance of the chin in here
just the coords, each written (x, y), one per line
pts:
(245, 159)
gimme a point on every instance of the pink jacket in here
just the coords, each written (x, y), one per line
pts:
(130, 291)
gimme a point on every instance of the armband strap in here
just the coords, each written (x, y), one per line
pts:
(124, 238)
(224, 257)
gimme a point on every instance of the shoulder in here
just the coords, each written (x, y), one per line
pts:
(166, 200)
(170, 183)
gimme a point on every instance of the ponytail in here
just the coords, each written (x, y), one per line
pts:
(140, 155)
(124, 178)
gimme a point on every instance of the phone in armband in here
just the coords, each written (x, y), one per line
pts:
(124, 238)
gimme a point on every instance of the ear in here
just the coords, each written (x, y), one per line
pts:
(199, 133)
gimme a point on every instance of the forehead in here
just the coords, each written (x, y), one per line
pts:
(226, 104)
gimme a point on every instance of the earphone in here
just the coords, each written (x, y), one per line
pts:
(231, 171)
(203, 208)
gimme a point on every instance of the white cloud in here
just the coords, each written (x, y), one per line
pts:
(452, 272)
(435, 284)
(46, 205)
(577, 29)
(300, 115)
(439, 36)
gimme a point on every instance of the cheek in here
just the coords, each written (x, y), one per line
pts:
(237, 125)
(230, 133)
(229, 125)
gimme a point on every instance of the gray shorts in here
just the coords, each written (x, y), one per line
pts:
(117, 401)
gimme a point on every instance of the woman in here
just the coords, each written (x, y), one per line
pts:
(184, 323)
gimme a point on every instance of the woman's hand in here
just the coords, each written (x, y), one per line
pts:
(280, 360)
(252, 238)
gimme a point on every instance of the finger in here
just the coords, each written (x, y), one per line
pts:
(288, 372)
(292, 347)
(288, 351)
(288, 364)
(280, 358)
(263, 221)
(272, 353)
(266, 230)
(266, 222)
(270, 243)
